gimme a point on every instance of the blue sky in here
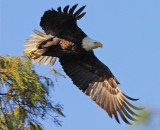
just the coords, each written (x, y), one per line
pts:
(130, 33)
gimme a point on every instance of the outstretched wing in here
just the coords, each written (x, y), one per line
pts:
(96, 80)
(63, 24)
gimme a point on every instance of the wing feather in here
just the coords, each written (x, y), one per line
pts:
(80, 16)
(72, 9)
(63, 24)
(76, 14)
(96, 80)
(59, 9)
(115, 107)
(65, 10)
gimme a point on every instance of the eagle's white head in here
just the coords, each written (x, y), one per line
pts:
(89, 44)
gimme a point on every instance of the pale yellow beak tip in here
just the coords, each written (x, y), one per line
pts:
(99, 45)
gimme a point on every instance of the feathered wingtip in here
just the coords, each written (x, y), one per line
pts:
(78, 15)
(35, 53)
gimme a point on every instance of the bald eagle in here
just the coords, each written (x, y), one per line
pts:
(75, 52)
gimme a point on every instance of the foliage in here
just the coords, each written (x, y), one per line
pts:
(24, 95)
(149, 119)
(144, 118)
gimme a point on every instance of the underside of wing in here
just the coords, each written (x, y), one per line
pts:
(63, 24)
(104, 90)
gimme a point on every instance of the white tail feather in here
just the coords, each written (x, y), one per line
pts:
(36, 53)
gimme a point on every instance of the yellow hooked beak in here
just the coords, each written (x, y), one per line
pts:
(98, 44)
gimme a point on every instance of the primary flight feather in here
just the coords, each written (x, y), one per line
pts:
(75, 52)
